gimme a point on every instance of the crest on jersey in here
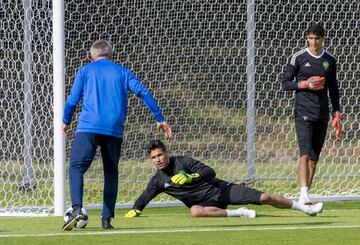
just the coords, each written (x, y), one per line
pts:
(326, 65)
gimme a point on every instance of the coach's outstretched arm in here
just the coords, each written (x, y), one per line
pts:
(136, 87)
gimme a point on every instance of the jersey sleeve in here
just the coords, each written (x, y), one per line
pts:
(151, 191)
(334, 89)
(73, 99)
(136, 87)
(194, 166)
(291, 70)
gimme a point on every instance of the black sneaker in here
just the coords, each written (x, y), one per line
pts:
(106, 224)
(73, 219)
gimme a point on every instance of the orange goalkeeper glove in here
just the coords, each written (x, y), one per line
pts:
(336, 122)
(313, 83)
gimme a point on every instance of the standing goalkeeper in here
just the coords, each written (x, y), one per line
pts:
(312, 74)
(103, 88)
(194, 183)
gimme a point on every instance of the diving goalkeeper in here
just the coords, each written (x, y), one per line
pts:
(194, 184)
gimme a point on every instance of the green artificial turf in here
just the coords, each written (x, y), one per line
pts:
(338, 224)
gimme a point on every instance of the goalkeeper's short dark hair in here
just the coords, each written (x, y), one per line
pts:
(316, 29)
(155, 144)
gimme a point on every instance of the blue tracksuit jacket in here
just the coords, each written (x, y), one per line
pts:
(103, 87)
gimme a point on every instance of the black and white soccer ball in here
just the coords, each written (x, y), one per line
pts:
(82, 222)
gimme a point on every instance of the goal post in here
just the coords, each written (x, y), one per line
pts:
(214, 67)
(59, 94)
(250, 86)
(28, 101)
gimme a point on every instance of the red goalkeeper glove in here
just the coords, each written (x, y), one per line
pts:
(336, 122)
(313, 83)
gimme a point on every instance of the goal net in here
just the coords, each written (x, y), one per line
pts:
(193, 56)
(26, 171)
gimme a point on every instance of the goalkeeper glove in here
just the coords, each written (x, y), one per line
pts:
(336, 122)
(182, 177)
(313, 83)
(132, 213)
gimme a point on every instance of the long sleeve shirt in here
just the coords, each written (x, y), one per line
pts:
(310, 103)
(103, 87)
(199, 190)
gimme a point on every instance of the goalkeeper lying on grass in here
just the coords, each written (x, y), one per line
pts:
(194, 183)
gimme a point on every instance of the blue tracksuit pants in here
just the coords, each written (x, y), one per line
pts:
(82, 154)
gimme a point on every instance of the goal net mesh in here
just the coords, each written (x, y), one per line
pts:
(192, 55)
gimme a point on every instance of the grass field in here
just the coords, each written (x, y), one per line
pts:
(338, 224)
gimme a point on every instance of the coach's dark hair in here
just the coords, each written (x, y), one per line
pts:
(316, 29)
(155, 144)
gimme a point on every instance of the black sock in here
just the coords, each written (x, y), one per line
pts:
(76, 208)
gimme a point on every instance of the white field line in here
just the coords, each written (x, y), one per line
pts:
(140, 231)
(12, 216)
(4, 217)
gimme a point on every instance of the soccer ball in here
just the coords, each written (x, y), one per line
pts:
(82, 222)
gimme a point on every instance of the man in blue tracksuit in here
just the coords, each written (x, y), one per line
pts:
(103, 87)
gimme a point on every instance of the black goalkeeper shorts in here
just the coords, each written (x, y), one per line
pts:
(311, 136)
(234, 194)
